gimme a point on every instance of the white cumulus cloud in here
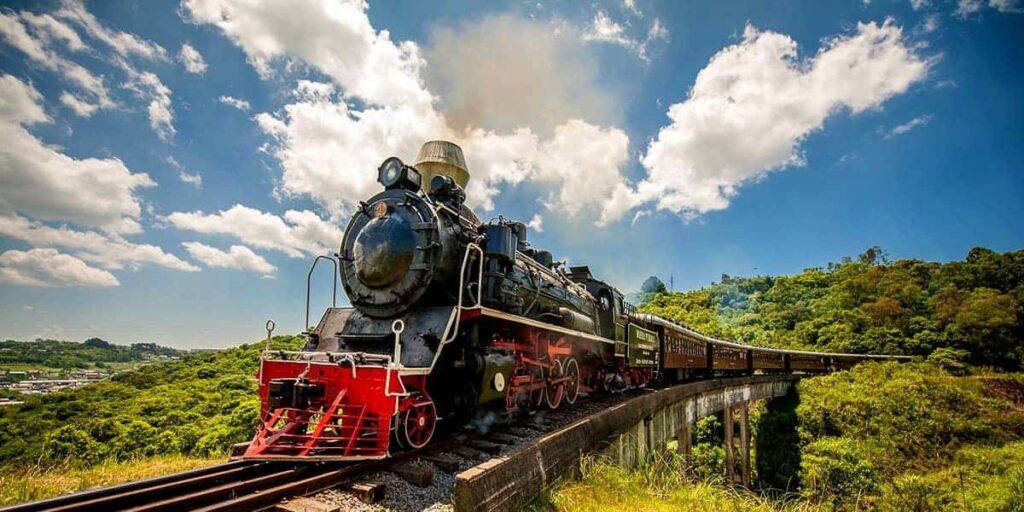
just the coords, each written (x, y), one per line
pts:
(606, 30)
(235, 102)
(298, 233)
(111, 252)
(536, 223)
(77, 105)
(580, 163)
(753, 105)
(50, 28)
(38, 47)
(329, 146)
(191, 59)
(194, 179)
(42, 182)
(49, 268)
(909, 125)
(334, 36)
(330, 151)
(148, 87)
(123, 43)
(237, 257)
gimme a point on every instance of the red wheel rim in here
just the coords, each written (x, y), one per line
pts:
(418, 424)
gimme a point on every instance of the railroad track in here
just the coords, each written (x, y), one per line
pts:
(248, 485)
(241, 485)
(237, 485)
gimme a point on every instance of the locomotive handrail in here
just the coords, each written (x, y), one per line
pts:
(396, 329)
(454, 320)
(309, 278)
(450, 335)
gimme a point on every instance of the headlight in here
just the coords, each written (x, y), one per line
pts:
(390, 172)
(393, 174)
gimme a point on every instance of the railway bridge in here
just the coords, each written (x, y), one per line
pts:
(627, 433)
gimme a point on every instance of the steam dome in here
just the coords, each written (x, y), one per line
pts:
(440, 157)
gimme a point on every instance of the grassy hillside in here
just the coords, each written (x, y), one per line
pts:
(965, 311)
(894, 435)
(197, 406)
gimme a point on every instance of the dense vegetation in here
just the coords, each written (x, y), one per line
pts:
(66, 355)
(197, 406)
(912, 437)
(882, 436)
(970, 311)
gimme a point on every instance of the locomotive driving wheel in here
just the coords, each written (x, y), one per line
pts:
(554, 391)
(571, 369)
(417, 424)
(537, 395)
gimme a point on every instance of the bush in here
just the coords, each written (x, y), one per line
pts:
(952, 360)
(915, 415)
(70, 443)
(835, 470)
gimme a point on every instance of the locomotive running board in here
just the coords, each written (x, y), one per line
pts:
(478, 311)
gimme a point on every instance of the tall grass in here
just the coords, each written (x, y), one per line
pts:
(662, 485)
(29, 483)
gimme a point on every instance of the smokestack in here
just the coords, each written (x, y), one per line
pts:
(440, 157)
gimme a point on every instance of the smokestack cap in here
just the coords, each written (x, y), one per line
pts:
(440, 157)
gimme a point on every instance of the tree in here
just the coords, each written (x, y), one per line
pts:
(96, 343)
(653, 285)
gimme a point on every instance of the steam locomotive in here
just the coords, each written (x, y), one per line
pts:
(452, 318)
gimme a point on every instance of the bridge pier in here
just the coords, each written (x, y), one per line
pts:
(684, 446)
(737, 449)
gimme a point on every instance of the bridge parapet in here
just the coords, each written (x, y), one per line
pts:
(628, 432)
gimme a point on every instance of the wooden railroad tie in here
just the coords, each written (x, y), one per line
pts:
(306, 505)
(466, 452)
(486, 446)
(420, 476)
(502, 438)
(446, 463)
(368, 492)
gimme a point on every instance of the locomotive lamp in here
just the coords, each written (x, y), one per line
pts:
(395, 174)
(446, 187)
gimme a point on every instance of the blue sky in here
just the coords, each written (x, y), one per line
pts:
(170, 169)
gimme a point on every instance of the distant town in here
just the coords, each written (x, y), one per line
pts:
(42, 367)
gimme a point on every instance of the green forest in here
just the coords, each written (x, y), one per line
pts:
(957, 313)
(67, 355)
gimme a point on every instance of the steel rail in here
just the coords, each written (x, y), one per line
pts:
(244, 485)
(108, 494)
